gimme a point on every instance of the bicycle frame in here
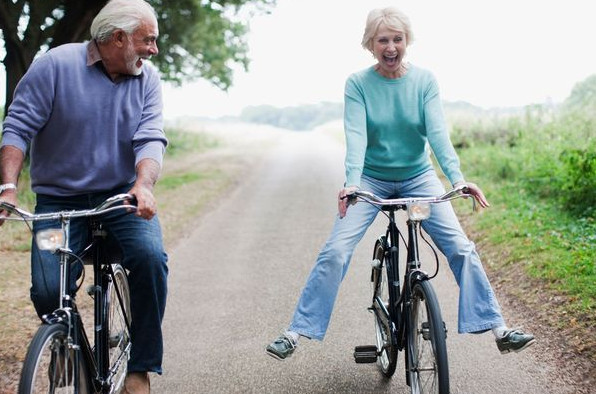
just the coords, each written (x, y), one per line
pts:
(407, 315)
(397, 295)
(96, 358)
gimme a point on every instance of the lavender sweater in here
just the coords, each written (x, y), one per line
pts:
(86, 132)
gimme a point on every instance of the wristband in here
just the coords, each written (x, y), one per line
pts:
(7, 186)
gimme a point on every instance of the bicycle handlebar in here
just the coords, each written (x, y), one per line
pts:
(106, 206)
(458, 192)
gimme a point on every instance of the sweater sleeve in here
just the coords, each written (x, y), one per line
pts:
(437, 134)
(32, 104)
(149, 141)
(355, 131)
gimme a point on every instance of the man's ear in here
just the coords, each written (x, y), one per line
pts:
(119, 37)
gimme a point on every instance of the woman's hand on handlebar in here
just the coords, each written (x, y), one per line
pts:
(342, 201)
(476, 192)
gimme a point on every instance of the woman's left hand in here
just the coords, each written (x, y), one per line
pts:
(475, 191)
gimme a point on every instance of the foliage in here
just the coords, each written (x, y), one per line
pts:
(181, 142)
(198, 38)
(583, 95)
(579, 179)
(551, 151)
(204, 38)
(304, 117)
(541, 181)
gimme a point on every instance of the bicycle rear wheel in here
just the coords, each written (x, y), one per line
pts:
(117, 317)
(49, 364)
(428, 367)
(386, 346)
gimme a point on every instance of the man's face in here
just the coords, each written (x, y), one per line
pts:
(141, 45)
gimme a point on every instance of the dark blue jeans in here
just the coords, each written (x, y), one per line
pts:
(143, 256)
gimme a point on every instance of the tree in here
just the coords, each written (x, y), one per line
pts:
(583, 96)
(198, 38)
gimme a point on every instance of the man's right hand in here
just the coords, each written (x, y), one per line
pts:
(342, 201)
(9, 196)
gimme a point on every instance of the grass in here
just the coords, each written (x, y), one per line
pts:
(182, 143)
(547, 252)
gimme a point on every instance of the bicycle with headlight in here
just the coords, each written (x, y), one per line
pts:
(61, 357)
(407, 316)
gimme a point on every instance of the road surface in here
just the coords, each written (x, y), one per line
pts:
(235, 279)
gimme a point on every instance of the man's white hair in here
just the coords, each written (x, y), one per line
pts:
(126, 15)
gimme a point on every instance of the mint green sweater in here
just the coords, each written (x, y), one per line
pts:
(388, 123)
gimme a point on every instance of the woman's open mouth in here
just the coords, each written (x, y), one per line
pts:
(390, 60)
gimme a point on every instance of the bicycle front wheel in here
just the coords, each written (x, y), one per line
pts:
(49, 364)
(428, 368)
(117, 318)
(386, 346)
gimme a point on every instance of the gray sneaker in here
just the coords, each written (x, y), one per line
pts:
(281, 348)
(514, 341)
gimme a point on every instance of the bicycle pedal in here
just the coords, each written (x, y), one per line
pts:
(90, 290)
(115, 339)
(365, 354)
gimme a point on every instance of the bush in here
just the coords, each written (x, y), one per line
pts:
(578, 180)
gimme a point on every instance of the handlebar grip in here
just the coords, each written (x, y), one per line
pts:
(133, 200)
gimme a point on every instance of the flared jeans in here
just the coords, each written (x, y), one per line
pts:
(478, 309)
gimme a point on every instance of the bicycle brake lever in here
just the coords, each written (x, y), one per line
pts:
(352, 199)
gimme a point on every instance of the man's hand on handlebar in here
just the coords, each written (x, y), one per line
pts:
(342, 201)
(146, 203)
(8, 196)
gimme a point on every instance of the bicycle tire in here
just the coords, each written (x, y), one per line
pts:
(386, 346)
(117, 316)
(49, 366)
(428, 366)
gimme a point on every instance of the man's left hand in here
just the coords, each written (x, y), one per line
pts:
(146, 203)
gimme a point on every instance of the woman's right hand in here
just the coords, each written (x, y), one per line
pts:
(342, 202)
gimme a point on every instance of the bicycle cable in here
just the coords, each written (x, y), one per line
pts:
(434, 252)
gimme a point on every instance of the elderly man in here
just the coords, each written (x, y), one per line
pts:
(91, 115)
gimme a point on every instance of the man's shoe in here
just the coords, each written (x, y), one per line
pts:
(136, 383)
(514, 341)
(281, 348)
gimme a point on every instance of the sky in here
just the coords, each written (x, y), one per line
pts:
(489, 53)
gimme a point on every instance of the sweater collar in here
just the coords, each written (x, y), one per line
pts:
(93, 55)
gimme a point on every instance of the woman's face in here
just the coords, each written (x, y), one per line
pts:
(389, 48)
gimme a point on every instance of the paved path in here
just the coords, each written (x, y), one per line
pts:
(235, 280)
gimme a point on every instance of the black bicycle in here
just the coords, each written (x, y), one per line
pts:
(60, 357)
(408, 318)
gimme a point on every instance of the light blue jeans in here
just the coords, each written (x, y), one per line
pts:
(478, 311)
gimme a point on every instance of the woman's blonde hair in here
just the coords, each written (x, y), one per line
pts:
(390, 17)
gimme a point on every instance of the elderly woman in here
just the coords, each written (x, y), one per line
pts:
(392, 110)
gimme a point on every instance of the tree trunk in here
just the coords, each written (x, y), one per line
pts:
(15, 65)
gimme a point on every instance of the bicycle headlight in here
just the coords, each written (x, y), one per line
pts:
(418, 211)
(50, 239)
